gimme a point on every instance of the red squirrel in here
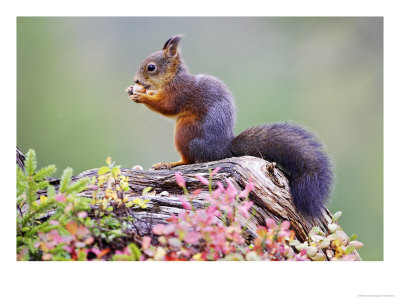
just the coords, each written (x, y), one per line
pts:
(205, 116)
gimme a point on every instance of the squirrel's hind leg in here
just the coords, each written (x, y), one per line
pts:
(168, 165)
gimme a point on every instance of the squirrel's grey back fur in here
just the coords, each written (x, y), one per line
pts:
(219, 118)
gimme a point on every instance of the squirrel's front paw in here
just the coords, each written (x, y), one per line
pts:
(137, 97)
(162, 166)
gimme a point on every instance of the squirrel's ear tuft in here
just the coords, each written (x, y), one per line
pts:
(166, 43)
(171, 46)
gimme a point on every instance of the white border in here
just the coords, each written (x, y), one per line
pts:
(198, 280)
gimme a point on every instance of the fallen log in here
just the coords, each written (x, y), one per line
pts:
(271, 193)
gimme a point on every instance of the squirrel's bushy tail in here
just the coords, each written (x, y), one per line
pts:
(299, 153)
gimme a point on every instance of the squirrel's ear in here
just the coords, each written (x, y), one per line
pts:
(171, 46)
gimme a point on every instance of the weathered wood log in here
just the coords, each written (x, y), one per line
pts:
(20, 159)
(271, 193)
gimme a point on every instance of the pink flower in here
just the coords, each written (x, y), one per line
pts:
(218, 237)
(185, 204)
(180, 180)
(55, 236)
(202, 179)
(67, 238)
(284, 234)
(146, 242)
(230, 191)
(60, 198)
(249, 187)
(68, 248)
(211, 210)
(270, 223)
(126, 251)
(192, 237)
(89, 240)
(68, 208)
(81, 231)
(47, 256)
(158, 229)
(301, 256)
(169, 229)
(196, 192)
(201, 216)
(285, 225)
(217, 193)
(82, 214)
(281, 248)
(183, 226)
(215, 171)
(184, 216)
(356, 244)
(244, 208)
(207, 229)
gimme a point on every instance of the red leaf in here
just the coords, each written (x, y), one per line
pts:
(71, 227)
(103, 252)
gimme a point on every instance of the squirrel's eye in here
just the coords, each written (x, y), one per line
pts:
(151, 67)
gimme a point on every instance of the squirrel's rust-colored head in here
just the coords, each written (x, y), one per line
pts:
(159, 68)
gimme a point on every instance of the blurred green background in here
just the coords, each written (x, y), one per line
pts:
(324, 73)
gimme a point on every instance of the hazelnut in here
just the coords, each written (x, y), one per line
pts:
(137, 88)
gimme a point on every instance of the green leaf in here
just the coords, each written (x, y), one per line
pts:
(316, 229)
(115, 171)
(146, 190)
(135, 251)
(117, 232)
(44, 172)
(110, 237)
(103, 170)
(30, 162)
(78, 186)
(122, 257)
(353, 237)
(349, 249)
(110, 208)
(42, 185)
(25, 229)
(81, 255)
(22, 182)
(51, 193)
(65, 179)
